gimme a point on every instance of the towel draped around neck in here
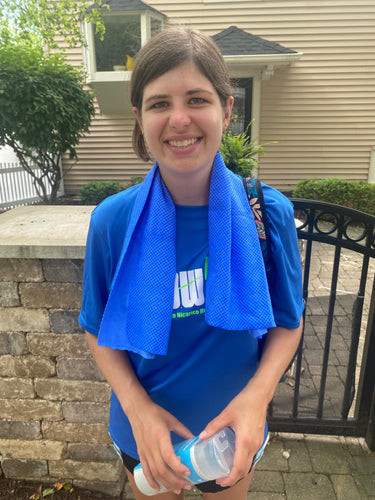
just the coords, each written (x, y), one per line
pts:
(139, 310)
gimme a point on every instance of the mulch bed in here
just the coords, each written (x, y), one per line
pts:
(12, 489)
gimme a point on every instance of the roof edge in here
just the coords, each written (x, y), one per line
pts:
(263, 59)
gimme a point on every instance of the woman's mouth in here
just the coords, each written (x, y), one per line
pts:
(184, 143)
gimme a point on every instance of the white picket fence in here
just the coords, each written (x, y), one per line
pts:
(17, 187)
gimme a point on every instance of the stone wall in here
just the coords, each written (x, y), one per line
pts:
(53, 400)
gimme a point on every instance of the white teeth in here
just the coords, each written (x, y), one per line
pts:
(183, 144)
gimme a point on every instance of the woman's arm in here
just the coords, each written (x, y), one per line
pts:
(150, 423)
(247, 412)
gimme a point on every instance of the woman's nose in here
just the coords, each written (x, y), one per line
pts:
(179, 118)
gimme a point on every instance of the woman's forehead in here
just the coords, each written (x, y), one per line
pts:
(184, 78)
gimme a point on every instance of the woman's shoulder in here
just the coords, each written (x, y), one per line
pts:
(279, 207)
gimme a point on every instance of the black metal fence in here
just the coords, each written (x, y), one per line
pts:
(331, 390)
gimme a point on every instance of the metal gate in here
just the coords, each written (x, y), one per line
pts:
(331, 389)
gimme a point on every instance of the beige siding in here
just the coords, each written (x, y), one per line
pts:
(320, 110)
(106, 153)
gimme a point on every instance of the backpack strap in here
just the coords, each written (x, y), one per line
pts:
(254, 192)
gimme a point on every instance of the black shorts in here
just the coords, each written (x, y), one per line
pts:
(208, 487)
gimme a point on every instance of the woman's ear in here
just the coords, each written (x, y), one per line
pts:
(137, 115)
(228, 112)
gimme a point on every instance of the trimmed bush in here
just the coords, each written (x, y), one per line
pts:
(95, 192)
(359, 195)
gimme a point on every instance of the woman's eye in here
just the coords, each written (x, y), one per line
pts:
(159, 105)
(197, 100)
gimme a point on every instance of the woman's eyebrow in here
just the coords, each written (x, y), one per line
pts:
(156, 96)
(165, 96)
(198, 90)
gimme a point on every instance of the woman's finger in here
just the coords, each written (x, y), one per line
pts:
(166, 476)
(149, 477)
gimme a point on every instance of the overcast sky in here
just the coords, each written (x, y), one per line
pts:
(7, 155)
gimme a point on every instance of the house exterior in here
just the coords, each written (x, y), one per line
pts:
(303, 70)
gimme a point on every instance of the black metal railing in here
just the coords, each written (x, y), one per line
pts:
(332, 389)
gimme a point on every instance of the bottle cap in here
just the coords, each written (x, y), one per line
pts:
(142, 483)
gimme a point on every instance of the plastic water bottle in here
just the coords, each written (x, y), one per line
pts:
(207, 459)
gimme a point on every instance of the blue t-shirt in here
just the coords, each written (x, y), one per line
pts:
(205, 367)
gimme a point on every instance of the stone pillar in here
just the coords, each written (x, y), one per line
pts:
(54, 402)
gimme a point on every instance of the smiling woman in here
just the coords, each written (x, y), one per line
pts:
(175, 286)
(176, 49)
(182, 128)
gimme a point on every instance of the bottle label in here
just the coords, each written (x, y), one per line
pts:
(183, 450)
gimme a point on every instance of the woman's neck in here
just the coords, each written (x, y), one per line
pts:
(188, 190)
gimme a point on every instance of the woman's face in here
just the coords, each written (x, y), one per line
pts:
(183, 119)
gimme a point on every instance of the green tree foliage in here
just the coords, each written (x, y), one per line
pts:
(44, 111)
(42, 21)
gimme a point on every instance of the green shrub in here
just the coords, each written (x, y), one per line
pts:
(239, 152)
(95, 192)
(137, 179)
(359, 195)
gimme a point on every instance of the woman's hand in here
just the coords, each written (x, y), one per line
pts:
(246, 415)
(152, 426)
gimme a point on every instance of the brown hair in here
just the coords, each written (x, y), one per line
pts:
(167, 50)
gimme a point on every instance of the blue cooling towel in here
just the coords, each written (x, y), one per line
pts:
(138, 314)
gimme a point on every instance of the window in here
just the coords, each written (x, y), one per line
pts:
(122, 39)
(241, 112)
